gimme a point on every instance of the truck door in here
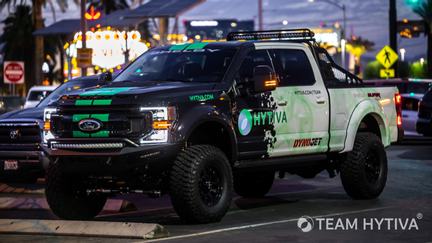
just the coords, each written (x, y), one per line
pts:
(301, 119)
(252, 111)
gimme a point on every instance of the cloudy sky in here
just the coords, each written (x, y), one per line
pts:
(366, 18)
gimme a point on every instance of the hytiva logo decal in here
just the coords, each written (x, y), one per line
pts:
(307, 142)
(247, 119)
(202, 97)
(245, 122)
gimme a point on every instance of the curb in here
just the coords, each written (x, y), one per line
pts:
(83, 228)
(32, 203)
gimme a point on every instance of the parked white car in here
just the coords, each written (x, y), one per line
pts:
(410, 112)
(36, 94)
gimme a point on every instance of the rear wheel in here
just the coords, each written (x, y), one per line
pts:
(256, 184)
(68, 198)
(364, 172)
(201, 184)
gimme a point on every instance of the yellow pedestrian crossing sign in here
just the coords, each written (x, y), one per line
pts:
(387, 57)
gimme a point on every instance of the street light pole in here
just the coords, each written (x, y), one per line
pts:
(260, 15)
(344, 28)
(83, 33)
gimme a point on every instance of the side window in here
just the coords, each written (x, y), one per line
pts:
(293, 67)
(253, 59)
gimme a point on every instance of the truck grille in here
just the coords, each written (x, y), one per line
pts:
(26, 135)
(115, 123)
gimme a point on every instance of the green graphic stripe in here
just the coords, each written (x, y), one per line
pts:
(186, 46)
(178, 47)
(79, 117)
(195, 46)
(92, 102)
(100, 134)
(79, 134)
(105, 91)
(83, 102)
(100, 117)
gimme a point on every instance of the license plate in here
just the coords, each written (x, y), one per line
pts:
(11, 165)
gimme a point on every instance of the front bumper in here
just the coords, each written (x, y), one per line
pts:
(424, 126)
(93, 156)
(29, 165)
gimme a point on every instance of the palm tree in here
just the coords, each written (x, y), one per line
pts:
(109, 6)
(425, 11)
(37, 24)
(18, 38)
(358, 46)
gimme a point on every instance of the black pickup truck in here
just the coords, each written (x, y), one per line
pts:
(21, 158)
(201, 120)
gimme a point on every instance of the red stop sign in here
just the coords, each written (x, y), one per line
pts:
(14, 72)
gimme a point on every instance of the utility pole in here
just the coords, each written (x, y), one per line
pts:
(393, 30)
(83, 32)
(260, 15)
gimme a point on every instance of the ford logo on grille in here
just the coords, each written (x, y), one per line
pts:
(89, 125)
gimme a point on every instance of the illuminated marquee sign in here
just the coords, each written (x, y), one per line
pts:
(109, 46)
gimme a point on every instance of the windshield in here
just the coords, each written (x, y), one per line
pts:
(37, 95)
(66, 88)
(203, 65)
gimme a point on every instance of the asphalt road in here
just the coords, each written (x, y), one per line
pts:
(406, 198)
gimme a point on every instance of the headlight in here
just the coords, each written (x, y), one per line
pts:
(162, 120)
(47, 134)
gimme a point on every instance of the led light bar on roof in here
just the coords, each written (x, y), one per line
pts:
(292, 34)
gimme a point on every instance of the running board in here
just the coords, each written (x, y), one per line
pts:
(298, 161)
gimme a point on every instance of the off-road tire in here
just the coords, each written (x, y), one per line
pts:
(253, 185)
(364, 171)
(192, 170)
(67, 196)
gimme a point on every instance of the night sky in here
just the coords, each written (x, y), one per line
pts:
(366, 18)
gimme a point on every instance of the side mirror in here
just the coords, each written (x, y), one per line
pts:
(106, 77)
(264, 79)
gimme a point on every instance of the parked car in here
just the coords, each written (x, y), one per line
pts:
(20, 135)
(201, 120)
(424, 122)
(10, 103)
(36, 94)
(410, 106)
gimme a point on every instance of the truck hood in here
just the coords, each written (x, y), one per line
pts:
(35, 113)
(145, 93)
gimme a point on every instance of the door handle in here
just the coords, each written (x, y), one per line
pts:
(283, 103)
(320, 101)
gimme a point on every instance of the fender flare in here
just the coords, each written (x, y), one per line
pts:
(363, 109)
(200, 115)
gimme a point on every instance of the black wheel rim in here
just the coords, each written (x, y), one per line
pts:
(372, 166)
(211, 186)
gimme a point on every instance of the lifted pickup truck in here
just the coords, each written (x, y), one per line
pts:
(199, 121)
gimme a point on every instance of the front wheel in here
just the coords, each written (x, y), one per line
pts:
(67, 196)
(201, 184)
(364, 172)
